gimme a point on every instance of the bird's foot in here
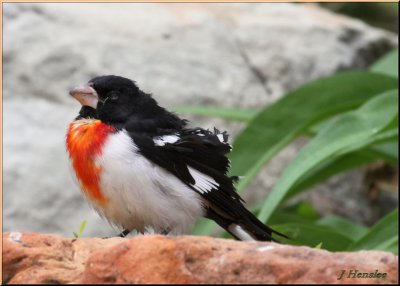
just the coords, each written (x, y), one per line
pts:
(165, 231)
(123, 233)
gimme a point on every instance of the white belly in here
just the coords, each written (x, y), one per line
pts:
(141, 194)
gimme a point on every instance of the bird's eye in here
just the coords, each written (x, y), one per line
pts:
(113, 95)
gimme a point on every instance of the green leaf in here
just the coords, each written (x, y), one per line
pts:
(384, 151)
(311, 235)
(302, 212)
(381, 137)
(388, 64)
(81, 229)
(344, 226)
(382, 236)
(391, 245)
(347, 130)
(305, 210)
(280, 123)
(243, 115)
(388, 150)
(314, 129)
(318, 246)
(330, 168)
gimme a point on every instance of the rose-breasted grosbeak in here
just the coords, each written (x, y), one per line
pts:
(140, 166)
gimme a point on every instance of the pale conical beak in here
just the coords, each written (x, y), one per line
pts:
(86, 95)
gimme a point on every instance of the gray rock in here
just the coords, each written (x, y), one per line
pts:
(232, 55)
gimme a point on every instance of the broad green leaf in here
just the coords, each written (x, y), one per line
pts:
(381, 236)
(330, 168)
(243, 115)
(344, 226)
(302, 212)
(339, 164)
(389, 150)
(388, 64)
(282, 217)
(312, 235)
(305, 210)
(382, 137)
(280, 123)
(314, 129)
(347, 130)
(391, 245)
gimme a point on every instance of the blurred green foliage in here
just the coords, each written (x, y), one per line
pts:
(379, 14)
(351, 120)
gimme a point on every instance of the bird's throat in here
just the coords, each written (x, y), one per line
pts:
(85, 141)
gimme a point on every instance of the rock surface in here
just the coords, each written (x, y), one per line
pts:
(36, 258)
(231, 55)
(51, 259)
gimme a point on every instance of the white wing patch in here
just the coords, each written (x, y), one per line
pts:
(203, 183)
(160, 141)
(221, 138)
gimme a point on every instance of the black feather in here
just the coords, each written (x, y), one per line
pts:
(86, 112)
(123, 105)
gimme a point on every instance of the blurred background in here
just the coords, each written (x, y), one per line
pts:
(229, 56)
(382, 15)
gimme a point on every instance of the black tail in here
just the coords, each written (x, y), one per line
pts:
(245, 227)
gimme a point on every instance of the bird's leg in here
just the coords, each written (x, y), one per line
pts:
(124, 233)
(165, 231)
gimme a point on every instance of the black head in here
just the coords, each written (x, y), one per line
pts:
(115, 98)
(119, 98)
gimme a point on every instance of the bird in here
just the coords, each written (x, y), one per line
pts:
(142, 167)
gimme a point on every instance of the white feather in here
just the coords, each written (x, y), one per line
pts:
(203, 183)
(221, 138)
(160, 141)
(238, 231)
(142, 194)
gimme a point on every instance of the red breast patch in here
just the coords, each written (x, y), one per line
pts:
(85, 140)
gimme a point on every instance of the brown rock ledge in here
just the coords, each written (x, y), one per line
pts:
(45, 258)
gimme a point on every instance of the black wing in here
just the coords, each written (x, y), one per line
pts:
(205, 151)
